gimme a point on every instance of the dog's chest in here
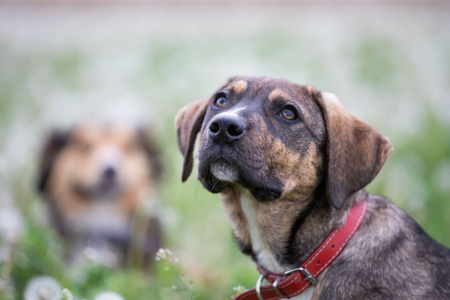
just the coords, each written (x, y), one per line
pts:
(101, 218)
(265, 257)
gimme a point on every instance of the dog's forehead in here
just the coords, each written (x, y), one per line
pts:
(99, 133)
(267, 88)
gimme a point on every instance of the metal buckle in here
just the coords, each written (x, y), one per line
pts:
(258, 286)
(275, 287)
(305, 273)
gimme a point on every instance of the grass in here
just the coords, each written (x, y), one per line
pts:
(153, 78)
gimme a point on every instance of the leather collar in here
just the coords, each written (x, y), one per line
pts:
(293, 282)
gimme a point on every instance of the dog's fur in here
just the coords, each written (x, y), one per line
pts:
(101, 180)
(289, 163)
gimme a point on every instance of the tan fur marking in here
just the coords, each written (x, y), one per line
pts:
(239, 86)
(299, 172)
(277, 93)
(232, 205)
(275, 220)
(303, 173)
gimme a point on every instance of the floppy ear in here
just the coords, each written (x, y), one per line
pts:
(148, 143)
(188, 123)
(356, 151)
(56, 141)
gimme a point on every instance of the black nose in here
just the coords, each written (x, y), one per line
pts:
(109, 173)
(226, 128)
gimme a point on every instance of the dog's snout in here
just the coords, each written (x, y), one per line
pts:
(226, 128)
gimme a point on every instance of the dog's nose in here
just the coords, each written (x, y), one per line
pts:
(109, 173)
(226, 128)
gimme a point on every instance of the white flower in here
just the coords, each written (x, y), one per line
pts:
(239, 289)
(166, 254)
(67, 294)
(43, 288)
(108, 296)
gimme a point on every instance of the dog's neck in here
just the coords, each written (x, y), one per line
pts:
(313, 229)
(282, 234)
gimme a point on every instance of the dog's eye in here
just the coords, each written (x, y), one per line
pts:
(220, 101)
(84, 147)
(289, 113)
(132, 146)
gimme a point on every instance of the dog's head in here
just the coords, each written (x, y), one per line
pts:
(97, 163)
(279, 139)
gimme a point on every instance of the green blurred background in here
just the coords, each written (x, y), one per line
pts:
(140, 62)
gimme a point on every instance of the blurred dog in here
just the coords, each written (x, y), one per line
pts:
(100, 181)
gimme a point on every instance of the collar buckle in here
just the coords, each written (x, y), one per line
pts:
(275, 287)
(304, 272)
(258, 285)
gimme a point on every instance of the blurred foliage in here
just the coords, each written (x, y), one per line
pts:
(380, 64)
(169, 72)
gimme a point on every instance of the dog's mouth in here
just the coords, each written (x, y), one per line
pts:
(221, 173)
(103, 190)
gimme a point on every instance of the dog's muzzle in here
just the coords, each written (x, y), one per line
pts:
(221, 157)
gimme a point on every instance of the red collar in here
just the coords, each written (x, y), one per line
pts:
(293, 282)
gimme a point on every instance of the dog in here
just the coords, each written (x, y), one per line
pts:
(100, 181)
(291, 165)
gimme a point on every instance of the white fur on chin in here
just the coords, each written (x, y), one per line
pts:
(224, 172)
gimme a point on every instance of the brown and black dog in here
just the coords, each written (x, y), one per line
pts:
(289, 163)
(101, 181)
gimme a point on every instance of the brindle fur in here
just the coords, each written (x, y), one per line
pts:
(301, 179)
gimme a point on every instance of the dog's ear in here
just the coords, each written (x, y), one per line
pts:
(147, 142)
(55, 142)
(188, 124)
(356, 151)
